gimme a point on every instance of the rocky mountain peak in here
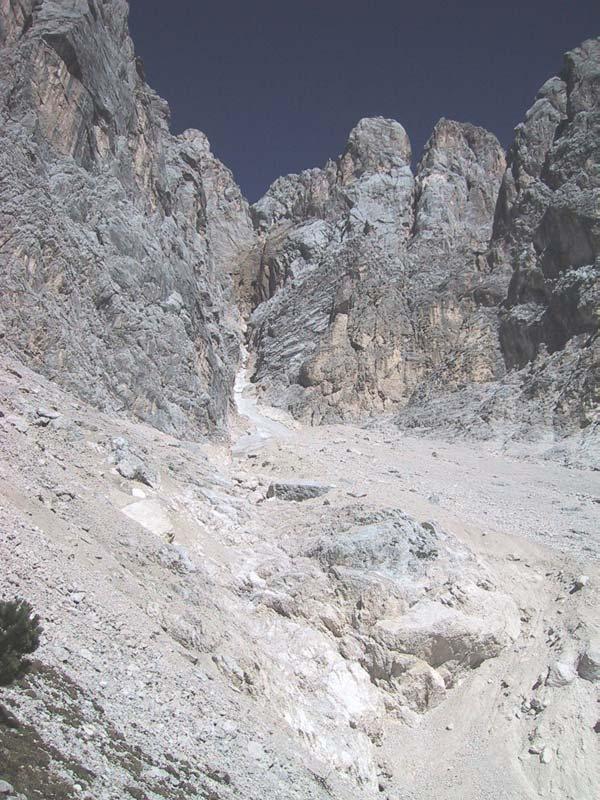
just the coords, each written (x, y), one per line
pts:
(375, 144)
(581, 74)
(454, 144)
(350, 288)
(457, 181)
(362, 282)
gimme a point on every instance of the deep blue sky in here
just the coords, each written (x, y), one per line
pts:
(278, 84)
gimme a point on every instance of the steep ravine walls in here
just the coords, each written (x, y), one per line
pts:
(376, 272)
(131, 262)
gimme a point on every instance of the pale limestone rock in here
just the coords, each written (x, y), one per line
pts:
(354, 320)
(412, 631)
(119, 239)
(297, 490)
(560, 674)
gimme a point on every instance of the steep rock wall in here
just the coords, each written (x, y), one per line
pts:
(372, 279)
(547, 231)
(118, 239)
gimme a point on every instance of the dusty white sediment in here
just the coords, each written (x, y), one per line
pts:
(421, 606)
(263, 422)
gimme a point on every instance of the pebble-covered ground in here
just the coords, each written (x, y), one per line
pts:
(210, 633)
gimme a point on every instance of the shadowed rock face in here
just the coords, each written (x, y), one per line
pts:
(544, 279)
(117, 238)
(372, 278)
(547, 231)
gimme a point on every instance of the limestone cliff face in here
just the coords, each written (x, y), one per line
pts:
(129, 256)
(117, 238)
(372, 279)
(547, 232)
(377, 289)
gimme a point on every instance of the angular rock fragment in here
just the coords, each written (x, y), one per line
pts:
(131, 466)
(560, 674)
(589, 662)
(297, 490)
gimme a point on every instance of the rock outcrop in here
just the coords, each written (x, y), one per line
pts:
(415, 643)
(372, 279)
(118, 239)
(547, 229)
(467, 288)
(544, 281)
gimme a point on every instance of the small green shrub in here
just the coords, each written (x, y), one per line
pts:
(20, 632)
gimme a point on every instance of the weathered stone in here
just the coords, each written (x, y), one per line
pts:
(20, 423)
(417, 634)
(131, 466)
(560, 674)
(119, 238)
(47, 413)
(367, 273)
(297, 490)
(589, 662)
(580, 582)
